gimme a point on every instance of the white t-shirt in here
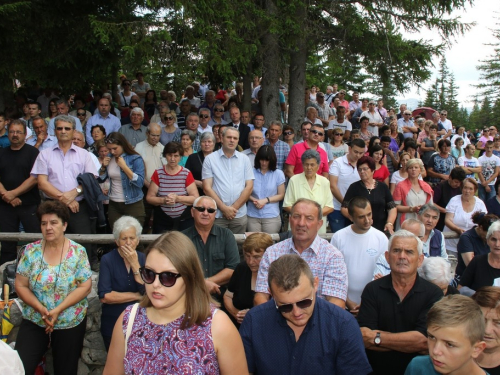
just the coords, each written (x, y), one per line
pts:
(464, 137)
(345, 125)
(346, 173)
(488, 166)
(360, 251)
(396, 178)
(374, 117)
(468, 163)
(461, 219)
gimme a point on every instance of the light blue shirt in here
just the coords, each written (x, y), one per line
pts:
(266, 185)
(229, 177)
(110, 123)
(252, 127)
(49, 142)
(51, 128)
(408, 124)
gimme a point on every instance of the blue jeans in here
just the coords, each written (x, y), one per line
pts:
(483, 195)
(337, 221)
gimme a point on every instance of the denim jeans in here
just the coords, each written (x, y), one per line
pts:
(483, 195)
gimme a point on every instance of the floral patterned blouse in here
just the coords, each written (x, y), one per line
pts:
(52, 284)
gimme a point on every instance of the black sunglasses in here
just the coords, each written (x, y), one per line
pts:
(218, 110)
(317, 132)
(167, 279)
(202, 209)
(287, 133)
(204, 116)
(304, 304)
(60, 128)
(80, 114)
(338, 133)
(169, 118)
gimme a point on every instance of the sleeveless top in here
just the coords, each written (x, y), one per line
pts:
(168, 349)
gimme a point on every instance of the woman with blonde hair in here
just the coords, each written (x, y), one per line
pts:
(339, 148)
(176, 329)
(169, 132)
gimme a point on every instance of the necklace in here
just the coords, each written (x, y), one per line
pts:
(370, 189)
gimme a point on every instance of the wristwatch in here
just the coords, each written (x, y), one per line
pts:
(78, 190)
(377, 339)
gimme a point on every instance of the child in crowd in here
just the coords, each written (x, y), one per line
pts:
(455, 330)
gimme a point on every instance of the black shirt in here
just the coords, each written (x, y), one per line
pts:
(194, 163)
(479, 273)
(380, 199)
(381, 309)
(469, 242)
(15, 168)
(241, 286)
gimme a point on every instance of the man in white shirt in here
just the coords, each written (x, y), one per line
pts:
(361, 245)
(204, 114)
(447, 125)
(469, 163)
(340, 122)
(490, 167)
(195, 102)
(312, 116)
(376, 121)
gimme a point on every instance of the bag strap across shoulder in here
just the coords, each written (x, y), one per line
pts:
(130, 323)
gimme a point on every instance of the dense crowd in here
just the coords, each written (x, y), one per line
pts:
(201, 169)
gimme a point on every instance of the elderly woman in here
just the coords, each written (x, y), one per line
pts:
(488, 299)
(433, 239)
(238, 298)
(459, 211)
(268, 190)
(412, 193)
(187, 140)
(176, 320)
(172, 190)
(383, 206)
(484, 270)
(437, 271)
(119, 282)
(170, 131)
(53, 279)
(98, 133)
(195, 161)
(309, 184)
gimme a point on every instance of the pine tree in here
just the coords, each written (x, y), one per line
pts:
(443, 82)
(485, 114)
(490, 70)
(452, 105)
(431, 98)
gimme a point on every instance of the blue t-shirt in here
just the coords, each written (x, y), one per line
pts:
(422, 365)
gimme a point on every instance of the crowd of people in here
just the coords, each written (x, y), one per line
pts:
(202, 169)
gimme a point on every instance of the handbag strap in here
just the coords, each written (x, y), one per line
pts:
(130, 323)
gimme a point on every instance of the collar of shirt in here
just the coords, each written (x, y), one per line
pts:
(221, 153)
(314, 246)
(416, 288)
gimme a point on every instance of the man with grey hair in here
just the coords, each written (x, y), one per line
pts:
(437, 271)
(41, 139)
(228, 178)
(326, 261)
(205, 116)
(277, 334)
(312, 116)
(134, 132)
(151, 151)
(190, 95)
(282, 149)
(57, 169)
(393, 308)
(79, 141)
(63, 109)
(216, 246)
(256, 139)
(446, 128)
(192, 123)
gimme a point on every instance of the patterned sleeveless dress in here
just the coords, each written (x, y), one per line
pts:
(167, 349)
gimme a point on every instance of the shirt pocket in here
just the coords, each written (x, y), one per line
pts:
(218, 262)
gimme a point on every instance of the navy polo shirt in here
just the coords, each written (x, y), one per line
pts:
(331, 342)
(469, 242)
(113, 277)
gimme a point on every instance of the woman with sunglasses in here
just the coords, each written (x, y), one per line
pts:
(81, 114)
(125, 169)
(169, 131)
(176, 329)
(339, 148)
(288, 136)
(120, 284)
(172, 191)
(53, 279)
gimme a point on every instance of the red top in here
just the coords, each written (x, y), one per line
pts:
(296, 152)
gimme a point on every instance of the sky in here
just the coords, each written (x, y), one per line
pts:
(466, 51)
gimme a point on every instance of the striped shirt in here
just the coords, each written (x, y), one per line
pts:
(168, 184)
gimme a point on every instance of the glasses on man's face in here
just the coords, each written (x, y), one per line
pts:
(204, 116)
(317, 132)
(80, 114)
(60, 128)
(219, 110)
(444, 114)
(167, 279)
(202, 209)
(286, 308)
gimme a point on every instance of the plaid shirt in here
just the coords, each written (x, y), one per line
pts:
(325, 261)
(282, 150)
(325, 111)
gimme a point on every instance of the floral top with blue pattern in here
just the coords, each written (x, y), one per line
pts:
(52, 284)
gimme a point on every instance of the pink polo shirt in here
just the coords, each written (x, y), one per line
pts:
(296, 152)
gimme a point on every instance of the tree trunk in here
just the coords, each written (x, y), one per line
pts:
(297, 84)
(247, 88)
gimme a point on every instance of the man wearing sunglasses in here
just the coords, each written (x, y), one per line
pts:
(216, 246)
(298, 333)
(293, 164)
(205, 115)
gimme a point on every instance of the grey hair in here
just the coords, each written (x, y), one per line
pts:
(204, 110)
(227, 128)
(192, 114)
(153, 125)
(212, 91)
(414, 161)
(207, 135)
(495, 227)
(310, 154)
(409, 222)
(402, 233)
(195, 203)
(79, 132)
(435, 114)
(137, 110)
(124, 223)
(190, 133)
(276, 123)
(309, 108)
(63, 101)
(310, 201)
(436, 270)
(172, 93)
(429, 206)
(65, 118)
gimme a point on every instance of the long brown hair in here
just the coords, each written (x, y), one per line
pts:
(120, 140)
(180, 250)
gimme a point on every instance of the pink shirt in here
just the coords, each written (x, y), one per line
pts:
(296, 153)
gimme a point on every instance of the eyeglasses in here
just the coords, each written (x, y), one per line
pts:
(202, 209)
(80, 114)
(218, 110)
(169, 118)
(204, 116)
(363, 169)
(444, 114)
(167, 279)
(287, 133)
(67, 128)
(304, 304)
(317, 132)
(338, 134)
